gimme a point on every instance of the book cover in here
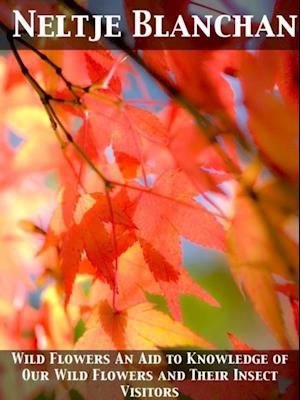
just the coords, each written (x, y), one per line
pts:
(149, 199)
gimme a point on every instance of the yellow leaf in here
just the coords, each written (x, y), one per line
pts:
(138, 328)
(259, 249)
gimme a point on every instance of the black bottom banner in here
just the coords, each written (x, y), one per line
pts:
(112, 375)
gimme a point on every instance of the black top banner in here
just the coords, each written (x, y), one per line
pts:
(149, 25)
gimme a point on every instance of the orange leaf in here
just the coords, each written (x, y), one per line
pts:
(237, 344)
(138, 328)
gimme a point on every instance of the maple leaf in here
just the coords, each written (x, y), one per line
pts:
(128, 165)
(160, 215)
(161, 269)
(288, 76)
(78, 227)
(194, 153)
(291, 292)
(181, 64)
(54, 335)
(272, 122)
(71, 249)
(135, 279)
(89, 235)
(169, 207)
(138, 276)
(253, 270)
(101, 76)
(86, 140)
(139, 327)
(237, 344)
(126, 128)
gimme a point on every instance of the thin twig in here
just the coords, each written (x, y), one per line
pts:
(55, 121)
(201, 5)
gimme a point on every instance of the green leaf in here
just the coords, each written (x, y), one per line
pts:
(78, 330)
(74, 395)
(45, 396)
